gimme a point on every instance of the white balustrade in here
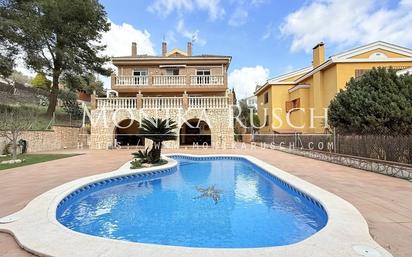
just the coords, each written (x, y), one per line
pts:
(205, 80)
(116, 103)
(132, 80)
(166, 80)
(194, 102)
(205, 102)
(170, 80)
(162, 102)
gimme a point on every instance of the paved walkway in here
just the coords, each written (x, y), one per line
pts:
(385, 202)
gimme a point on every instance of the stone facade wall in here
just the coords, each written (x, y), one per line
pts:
(219, 121)
(60, 137)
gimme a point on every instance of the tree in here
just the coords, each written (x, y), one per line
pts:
(57, 36)
(88, 83)
(20, 78)
(248, 116)
(12, 124)
(158, 130)
(40, 81)
(379, 102)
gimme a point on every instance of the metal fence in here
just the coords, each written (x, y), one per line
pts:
(379, 147)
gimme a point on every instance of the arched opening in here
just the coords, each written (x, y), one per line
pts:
(127, 133)
(197, 133)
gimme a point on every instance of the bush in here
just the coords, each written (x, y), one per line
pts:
(144, 157)
(136, 164)
(378, 103)
(70, 105)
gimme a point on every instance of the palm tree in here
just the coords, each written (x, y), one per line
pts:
(158, 130)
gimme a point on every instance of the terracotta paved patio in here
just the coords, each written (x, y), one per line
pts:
(385, 202)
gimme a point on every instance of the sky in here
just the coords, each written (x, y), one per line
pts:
(265, 38)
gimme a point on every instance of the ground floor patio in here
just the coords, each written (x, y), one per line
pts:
(385, 202)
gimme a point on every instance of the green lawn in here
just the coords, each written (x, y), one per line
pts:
(32, 159)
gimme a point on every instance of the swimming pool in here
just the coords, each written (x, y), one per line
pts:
(209, 202)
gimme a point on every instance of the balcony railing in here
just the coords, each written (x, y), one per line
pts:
(206, 80)
(193, 102)
(162, 102)
(116, 103)
(132, 80)
(170, 80)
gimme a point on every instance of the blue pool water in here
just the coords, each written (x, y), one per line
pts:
(213, 203)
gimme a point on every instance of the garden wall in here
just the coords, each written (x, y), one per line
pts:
(58, 138)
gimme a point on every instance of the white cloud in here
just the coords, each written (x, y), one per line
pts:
(120, 37)
(119, 42)
(189, 34)
(269, 32)
(239, 17)
(165, 7)
(244, 80)
(347, 23)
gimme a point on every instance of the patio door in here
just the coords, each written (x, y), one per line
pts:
(203, 77)
(140, 77)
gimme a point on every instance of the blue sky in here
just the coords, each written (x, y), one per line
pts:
(265, 38)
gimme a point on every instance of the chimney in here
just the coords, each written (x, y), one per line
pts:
(318, 54)
(134, 49)
(189, 48)
(164, 48)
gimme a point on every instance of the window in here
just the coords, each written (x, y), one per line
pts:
(140, 77)
(360, 72)
(266, 98)
(267, 121)
(172, 72)
(203, 76)
(294, 104)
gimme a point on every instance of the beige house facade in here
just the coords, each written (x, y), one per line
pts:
(192, 90)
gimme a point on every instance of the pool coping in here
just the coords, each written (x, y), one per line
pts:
(36, 229)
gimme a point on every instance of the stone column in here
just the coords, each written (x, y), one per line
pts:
(185, 101)
(230, 96)
(93, 100)
(112, 80)
(139, 100)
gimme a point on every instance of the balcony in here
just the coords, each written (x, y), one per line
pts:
(174, 81)
(184, 102)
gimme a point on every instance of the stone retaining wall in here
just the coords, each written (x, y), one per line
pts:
(58, 138)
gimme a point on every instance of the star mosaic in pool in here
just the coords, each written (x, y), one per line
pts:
(209, 192)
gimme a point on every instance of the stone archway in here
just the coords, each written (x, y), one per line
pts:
(198, 132)
(126, 133)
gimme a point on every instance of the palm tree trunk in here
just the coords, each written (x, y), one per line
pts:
(155, 152)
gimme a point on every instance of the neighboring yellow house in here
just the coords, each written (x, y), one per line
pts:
(286, 103)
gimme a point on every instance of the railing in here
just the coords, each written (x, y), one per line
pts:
(171, 81)
(132, 80)
(205, 102)
(194, 102)
(206, 80)
(116, 103)
(164, 80)
(162, 102)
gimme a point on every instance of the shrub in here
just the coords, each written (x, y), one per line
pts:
(379, 102)
(136, 164)
(143, 156)
(70, 104)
